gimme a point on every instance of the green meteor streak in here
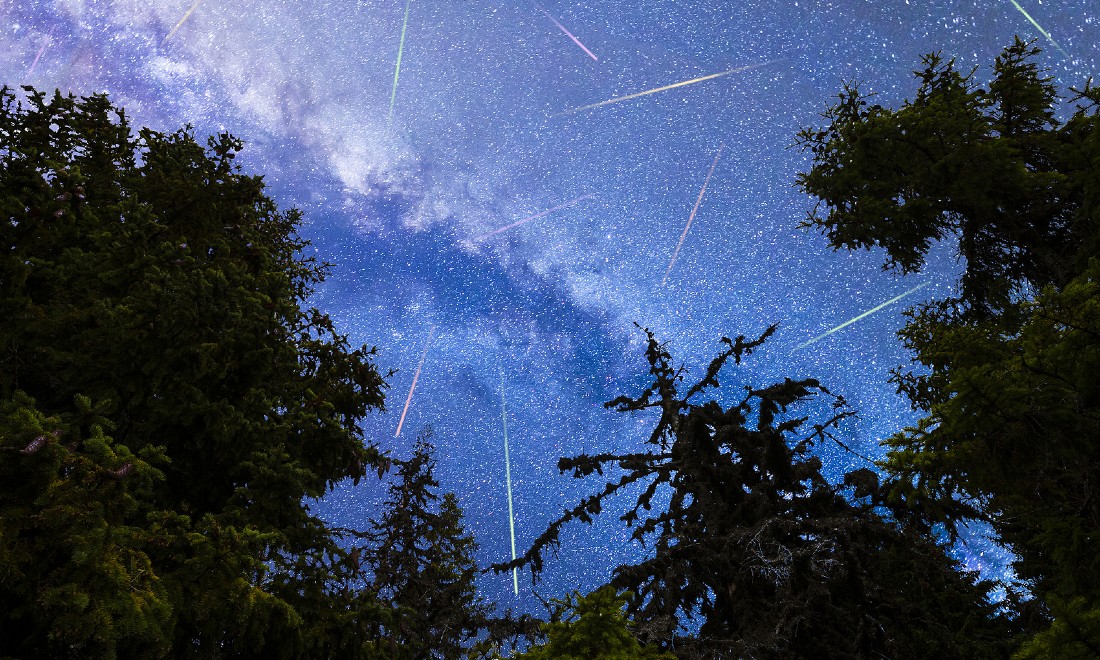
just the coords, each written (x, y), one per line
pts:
(508, 480)
(861, 316)
(400, 50)
(1040, 29)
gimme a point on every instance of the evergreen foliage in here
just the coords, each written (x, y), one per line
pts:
(591, 627)
(420, 561)
(755, 545)
(1072, 636)
(167, 400)
(991, 167)
(1006, 370)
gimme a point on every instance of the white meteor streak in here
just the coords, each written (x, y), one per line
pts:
(691, 217)
(508, 481)
(41, 50)
(861, 316)
(533, 217)
(416, 377)
(182, 21)
(619, 99)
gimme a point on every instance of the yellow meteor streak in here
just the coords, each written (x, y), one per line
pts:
(617, 99)
(182, 21)
(400, 50)
(1040, 29)
(416, 377)
(691, 217)
(861, 316)
(508, 480)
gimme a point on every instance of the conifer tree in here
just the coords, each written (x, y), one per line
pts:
(755, 553)
(1007, 369)
(167, 400)
(992, 168)
(591, 627)
(420, 561)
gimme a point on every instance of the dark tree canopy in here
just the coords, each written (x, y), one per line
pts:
(991, 167)
(758, 548)
(167, 399)
(1010, 437)
(1008, 370)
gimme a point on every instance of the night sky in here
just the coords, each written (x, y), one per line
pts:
(406, 202)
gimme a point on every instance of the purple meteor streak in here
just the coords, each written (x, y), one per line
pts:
(569, 34)
(416, 377)
(40, 51)
(532, 217)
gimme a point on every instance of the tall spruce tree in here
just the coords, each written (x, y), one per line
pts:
(1008, 370)
(420, 561)
(167, 400)
(755, 553)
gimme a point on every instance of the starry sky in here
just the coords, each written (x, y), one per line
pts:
(405, 190)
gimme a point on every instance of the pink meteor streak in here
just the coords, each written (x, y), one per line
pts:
(569, 34)
(40, 51)
(532, 217)
(693, 210)
(416, 377)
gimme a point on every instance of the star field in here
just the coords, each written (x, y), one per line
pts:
(477, 142)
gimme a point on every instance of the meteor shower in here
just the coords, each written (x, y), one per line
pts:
(474, 329)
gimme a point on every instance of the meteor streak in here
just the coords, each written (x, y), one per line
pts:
(1040, 29)
(617, 99)
(862, 316)
(416, 377)
(182, 21)
(41, 50)
(400, 50)
(508, 480)
(569, 34)
(532, 217)
(693, 210)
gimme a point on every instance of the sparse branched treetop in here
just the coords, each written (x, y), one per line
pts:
(167, 399)
(756, 554)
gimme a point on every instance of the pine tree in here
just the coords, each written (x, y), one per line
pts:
(74, 554)
(591, 627)
(992, 168)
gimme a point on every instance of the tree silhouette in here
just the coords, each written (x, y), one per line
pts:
(168, 399)
(1007, 368)
(756, 554)
(590, 627)
(420, 561)
(991, 167)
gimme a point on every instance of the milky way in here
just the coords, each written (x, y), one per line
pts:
(477, 142)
